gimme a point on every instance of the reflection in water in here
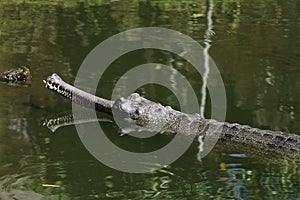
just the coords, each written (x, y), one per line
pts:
(20, 126)
(235, 178)
(205, 75)
(209, 32)
(236, 181)
(256, 48)
(69, 119)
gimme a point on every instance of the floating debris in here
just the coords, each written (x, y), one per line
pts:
(238, 155)
(51, 185)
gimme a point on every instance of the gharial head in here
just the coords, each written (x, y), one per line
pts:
(129, 107)
(139, 109)
(52, 82)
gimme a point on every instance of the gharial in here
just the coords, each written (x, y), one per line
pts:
(146, 113)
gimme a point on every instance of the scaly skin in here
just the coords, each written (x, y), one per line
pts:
(154, 116)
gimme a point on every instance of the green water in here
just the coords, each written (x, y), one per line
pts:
(255, 45)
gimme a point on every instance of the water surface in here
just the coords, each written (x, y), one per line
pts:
(255, 45)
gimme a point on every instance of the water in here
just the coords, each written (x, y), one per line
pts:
(255, 45)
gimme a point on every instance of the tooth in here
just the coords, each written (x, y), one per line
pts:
(45, 82)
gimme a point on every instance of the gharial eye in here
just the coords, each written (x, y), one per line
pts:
(137, 111)
(135, 114)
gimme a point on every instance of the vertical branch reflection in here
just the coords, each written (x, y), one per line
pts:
(209, 32)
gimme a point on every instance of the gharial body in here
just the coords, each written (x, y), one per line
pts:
(151, 115)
